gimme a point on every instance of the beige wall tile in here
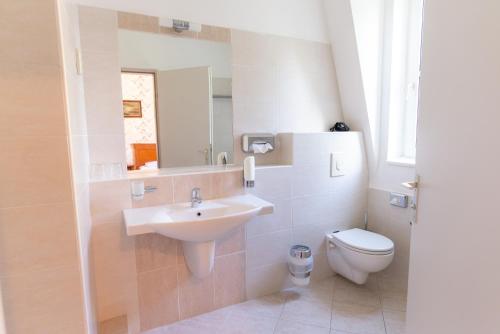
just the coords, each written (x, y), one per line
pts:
(114, 271)
(138, 22)
(227, 184)
(27, 87)
(216, 34)
(196, 296)
(29, 28)
(36, 170)
(48, 301)
(154, 251)
(185, 183)
(108, 199)
(37, 238)
(158, 296)
(231, 243)
(229, 285)
(164, 194)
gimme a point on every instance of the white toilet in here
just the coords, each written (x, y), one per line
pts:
(356, 253)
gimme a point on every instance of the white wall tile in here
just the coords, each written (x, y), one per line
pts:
(392, 222)
(265, 280)
(268, 249)
(272, 183)
(281, 219)
(313, 210)
(322, 268)
(312, 236)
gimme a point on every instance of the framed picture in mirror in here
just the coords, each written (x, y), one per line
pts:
(132, 108)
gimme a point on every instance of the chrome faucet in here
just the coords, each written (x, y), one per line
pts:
(195, 197)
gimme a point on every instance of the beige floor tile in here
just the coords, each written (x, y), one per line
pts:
(248, 324)
(395, 301)
(395, 322)
(343, 283)
(393, 284)
(292, 327)
(357, 319)
(269, 306)
(211, 322)
(356, 295)
(316, 290)
(309, 311)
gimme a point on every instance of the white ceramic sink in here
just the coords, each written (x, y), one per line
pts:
(198, 228)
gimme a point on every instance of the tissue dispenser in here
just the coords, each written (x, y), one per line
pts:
(249, 139)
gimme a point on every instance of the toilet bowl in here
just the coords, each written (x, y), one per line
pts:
(356, 253)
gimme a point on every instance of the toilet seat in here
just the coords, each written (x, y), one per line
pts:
(363, 241)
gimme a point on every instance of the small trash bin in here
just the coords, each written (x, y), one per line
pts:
(300, 264)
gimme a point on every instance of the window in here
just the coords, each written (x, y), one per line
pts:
(404, 80)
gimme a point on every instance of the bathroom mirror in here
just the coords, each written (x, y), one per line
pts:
(177, 99)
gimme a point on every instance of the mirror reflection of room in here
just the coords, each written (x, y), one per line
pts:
(177, 99)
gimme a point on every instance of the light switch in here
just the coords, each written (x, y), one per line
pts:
(337, 162)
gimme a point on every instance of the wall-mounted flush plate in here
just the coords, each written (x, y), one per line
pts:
(400, 200)
(337, 167)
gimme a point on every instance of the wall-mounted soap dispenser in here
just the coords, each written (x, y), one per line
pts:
(249, 172)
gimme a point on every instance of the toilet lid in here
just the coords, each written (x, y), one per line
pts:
(364, 240)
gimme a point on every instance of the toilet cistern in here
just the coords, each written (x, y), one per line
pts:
(195, 197)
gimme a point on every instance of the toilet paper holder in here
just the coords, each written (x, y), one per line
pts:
(249, 139)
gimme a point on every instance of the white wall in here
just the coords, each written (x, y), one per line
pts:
(292, 18)
(454, 271)
(368, 19)
(281, 84)
(142, 50)
(355, 28)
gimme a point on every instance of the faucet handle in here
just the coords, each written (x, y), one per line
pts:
(196, 192)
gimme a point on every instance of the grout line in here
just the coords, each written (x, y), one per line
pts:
(177, 281)
(379, 295)
(37, 205)
(229, 254)
(331, 304)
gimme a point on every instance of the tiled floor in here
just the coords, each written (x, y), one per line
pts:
(331, 306)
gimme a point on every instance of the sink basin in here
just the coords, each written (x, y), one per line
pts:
(198, 228)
